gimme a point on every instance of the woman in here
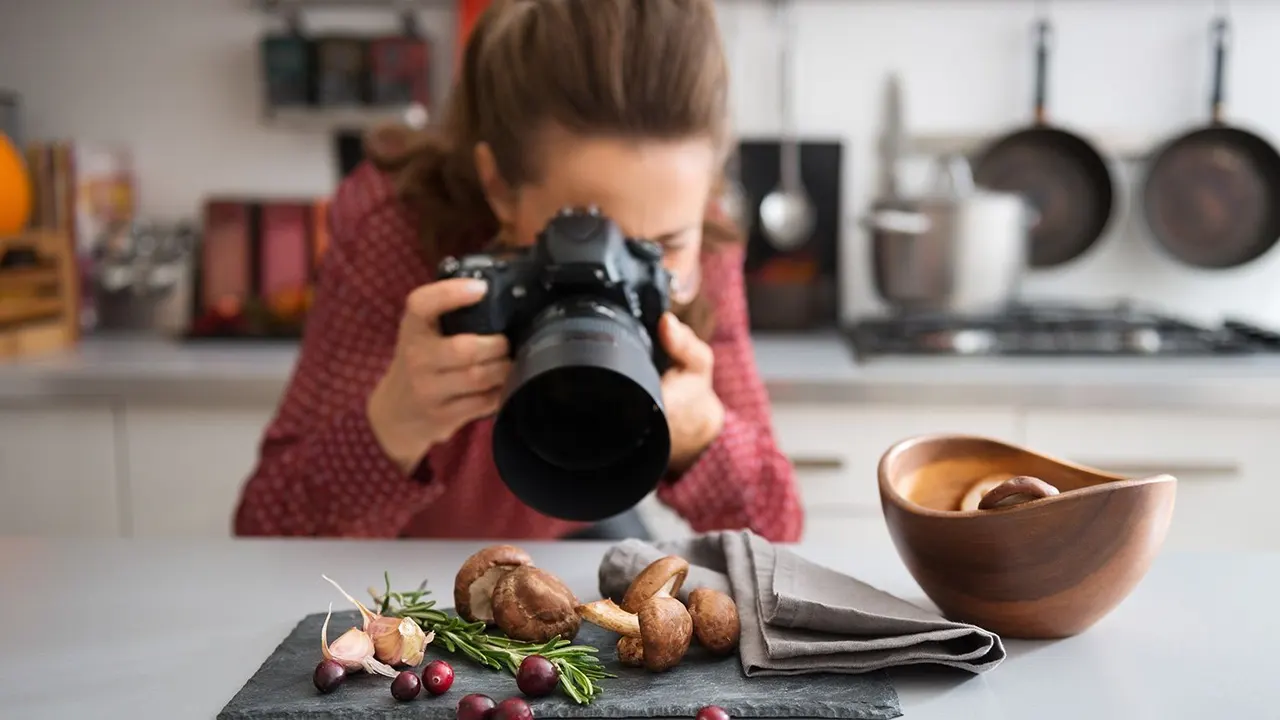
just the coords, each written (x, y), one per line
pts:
(384, 430)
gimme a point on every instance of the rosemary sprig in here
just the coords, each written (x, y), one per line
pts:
(580, 669)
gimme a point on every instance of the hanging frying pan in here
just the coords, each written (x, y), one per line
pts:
(1212, 196)
(1060, 174)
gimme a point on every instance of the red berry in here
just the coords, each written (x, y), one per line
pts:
(475, 707)
(711, 712)
(328, 676)
(437, 676)
(406, 686)
(512, 708)
(537, 676)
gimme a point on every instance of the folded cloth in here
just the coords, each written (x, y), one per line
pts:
(800, 617)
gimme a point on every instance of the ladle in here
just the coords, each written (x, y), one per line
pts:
(787, 213)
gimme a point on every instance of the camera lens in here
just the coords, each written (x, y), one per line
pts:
(583, 434)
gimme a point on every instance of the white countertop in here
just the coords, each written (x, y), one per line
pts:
(108, 629)
(800, 368)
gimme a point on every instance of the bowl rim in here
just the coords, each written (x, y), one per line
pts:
(890, 493)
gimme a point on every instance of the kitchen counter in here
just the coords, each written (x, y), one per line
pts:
(124, 629)
(796, 369)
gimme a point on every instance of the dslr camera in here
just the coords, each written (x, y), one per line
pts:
(582, 432)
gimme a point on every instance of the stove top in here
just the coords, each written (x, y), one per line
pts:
(1056, 330)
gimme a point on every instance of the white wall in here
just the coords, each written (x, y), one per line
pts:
(175, 79)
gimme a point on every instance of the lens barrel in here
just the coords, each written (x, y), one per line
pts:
(582, 433)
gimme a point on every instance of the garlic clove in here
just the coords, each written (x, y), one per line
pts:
(353, 649)
(398, 641)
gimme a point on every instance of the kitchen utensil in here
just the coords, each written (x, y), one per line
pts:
(1211, 196)
(892, 142)
(281, 688)
(787, 214)
(1065, 178)
(959, 249)
(1043, 567)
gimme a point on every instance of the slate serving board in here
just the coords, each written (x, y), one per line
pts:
(281, 689)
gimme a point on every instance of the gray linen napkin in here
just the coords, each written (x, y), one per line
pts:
(800, 617)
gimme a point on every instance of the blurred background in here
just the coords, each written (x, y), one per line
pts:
(176, 157)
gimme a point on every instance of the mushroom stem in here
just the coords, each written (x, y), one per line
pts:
(609, 616)
(631, 651)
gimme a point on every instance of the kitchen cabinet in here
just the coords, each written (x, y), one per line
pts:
(187, 465)
(59, 470)
(1226, 466)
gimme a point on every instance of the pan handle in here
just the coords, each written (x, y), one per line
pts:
(1221, 31)
(1043, 33)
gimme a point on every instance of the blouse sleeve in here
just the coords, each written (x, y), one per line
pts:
(321, 471)
(742, 480)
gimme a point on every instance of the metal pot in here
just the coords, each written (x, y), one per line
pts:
(960, 249)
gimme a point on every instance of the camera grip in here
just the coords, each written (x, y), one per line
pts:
(482, 318)
(474, 320)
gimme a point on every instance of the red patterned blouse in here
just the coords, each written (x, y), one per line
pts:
(321, 472)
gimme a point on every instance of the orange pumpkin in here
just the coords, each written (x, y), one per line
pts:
(15, 189)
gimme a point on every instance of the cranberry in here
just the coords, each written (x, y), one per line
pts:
(537, 676)
(406, 686)
(329, 675)
(512, 708)
(711, 712)
(437, 676)
(475, 707)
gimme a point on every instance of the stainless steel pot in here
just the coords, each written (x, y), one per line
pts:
(959, 249)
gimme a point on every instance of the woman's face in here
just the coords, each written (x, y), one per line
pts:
(652, 189)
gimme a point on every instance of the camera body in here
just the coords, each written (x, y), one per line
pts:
(581, 432)
(580, 257)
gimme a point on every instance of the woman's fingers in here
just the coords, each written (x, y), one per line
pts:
(471, 407)
(476, 379)
(459, 352)
(425, 305)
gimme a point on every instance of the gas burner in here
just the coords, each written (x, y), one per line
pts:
(1118, 330)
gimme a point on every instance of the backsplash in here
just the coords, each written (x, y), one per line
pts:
(189, 108)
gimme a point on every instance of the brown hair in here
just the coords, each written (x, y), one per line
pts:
(624, 68)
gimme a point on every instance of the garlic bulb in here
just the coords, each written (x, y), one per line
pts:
(353, 650)
(396, 641)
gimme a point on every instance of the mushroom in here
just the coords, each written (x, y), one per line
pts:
(715, 620)
(663, 626)
(662, 578)
(630, 651)
(473, 586)
(535, 606)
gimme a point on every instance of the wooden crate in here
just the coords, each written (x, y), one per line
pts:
(39, 306)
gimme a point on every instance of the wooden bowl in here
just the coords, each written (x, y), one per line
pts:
(1029, 563)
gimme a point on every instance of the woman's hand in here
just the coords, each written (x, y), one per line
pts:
(694, 412)
(436, 384)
